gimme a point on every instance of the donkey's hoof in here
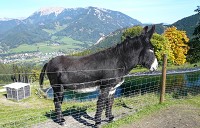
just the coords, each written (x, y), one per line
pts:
(111, 118)
(97, 125)
(62, 123)
(62, 120)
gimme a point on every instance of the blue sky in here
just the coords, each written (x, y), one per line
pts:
(146, 11)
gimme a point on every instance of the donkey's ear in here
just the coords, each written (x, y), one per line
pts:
(145, 30)
(151, 31)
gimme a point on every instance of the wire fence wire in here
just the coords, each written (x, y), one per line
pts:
(138, 91)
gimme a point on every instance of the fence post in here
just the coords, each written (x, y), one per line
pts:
(163, 84)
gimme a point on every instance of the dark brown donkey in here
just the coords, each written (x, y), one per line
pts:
(103, 70)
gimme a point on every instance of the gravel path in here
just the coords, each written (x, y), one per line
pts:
(178, 116)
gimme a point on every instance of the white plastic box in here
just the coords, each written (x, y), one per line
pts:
(18, 91)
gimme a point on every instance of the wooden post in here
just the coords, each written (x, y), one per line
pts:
(163, 84)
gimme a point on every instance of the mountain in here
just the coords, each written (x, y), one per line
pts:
(96, 22)
(83, 24)
(87, 25)
(23, 33)
(44, 16)
(188, 24)
(7, 24)
(107, 41)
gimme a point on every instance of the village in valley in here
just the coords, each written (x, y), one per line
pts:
(35, 57)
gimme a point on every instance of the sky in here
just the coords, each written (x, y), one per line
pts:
(146, 11)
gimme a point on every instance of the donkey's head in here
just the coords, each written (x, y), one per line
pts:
(147, 56)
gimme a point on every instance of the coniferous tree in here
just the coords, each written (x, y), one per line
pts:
(194, 52)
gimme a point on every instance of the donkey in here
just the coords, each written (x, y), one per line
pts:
(105, 69)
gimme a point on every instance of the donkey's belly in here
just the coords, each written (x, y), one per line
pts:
(93, 89)
(113, 89)
(87, 90)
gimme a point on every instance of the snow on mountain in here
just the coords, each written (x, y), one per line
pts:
(50, 10)
(99, 13)
(100, 39)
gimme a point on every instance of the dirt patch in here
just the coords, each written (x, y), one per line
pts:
(178, 116)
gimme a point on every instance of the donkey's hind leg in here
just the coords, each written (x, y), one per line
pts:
(109, 104)
(101, 102)
(58, 99)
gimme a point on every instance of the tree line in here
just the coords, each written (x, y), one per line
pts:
(19, 73)
(194, 52)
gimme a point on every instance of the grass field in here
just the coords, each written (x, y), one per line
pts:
(30, 111)
(57, 29)
(48, 46)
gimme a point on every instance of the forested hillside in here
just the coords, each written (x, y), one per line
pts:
(188, 24)
(24, 34)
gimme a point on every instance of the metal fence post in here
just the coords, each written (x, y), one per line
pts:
(163, 84)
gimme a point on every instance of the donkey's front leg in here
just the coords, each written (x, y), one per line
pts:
(101, 102)
(110, 99)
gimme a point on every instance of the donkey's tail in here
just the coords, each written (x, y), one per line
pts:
(42, 75)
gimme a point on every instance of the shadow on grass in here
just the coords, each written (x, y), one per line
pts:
(79, 114)
(5, 95)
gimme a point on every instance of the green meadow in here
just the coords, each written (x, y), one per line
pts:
(49, 46)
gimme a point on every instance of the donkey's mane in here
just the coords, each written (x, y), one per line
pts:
(120, 48)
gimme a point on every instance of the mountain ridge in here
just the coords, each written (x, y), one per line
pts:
(82, 24)
(49, 10)
(188, 24)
